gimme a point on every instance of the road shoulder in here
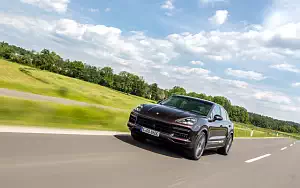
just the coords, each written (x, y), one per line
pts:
(46, 130)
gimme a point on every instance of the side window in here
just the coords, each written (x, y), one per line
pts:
(216, 111)
(224, 114)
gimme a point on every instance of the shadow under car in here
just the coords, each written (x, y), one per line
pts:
(158, 147)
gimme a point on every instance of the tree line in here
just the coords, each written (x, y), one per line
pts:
(131, 84)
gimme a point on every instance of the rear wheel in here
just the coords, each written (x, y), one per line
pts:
(225, 150)
(137, 137)
(199, 145)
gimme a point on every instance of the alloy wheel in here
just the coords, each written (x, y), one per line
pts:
(229, 144)
(200, 146)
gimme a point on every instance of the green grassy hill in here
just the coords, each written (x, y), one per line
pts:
(28, 79)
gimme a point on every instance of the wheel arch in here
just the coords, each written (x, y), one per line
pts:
(204, 129)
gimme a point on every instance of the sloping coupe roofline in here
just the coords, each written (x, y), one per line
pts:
(184, 96)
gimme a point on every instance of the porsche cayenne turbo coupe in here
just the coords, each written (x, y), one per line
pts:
(190, 123)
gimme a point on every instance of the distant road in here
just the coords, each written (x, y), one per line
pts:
(31, 96)
(78, 161)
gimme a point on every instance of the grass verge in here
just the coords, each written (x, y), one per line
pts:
(263, 132)
(33, 113)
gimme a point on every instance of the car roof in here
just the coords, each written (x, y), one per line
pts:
(195, 99)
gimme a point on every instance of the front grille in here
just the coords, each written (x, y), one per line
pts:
(153, 124)
(180, 132)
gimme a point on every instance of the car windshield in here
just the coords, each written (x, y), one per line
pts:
(189, 104)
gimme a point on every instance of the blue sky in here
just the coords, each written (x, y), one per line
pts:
(248, 51)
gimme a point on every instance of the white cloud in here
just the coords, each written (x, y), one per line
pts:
(50, 5)
(283, 20)
(288, 108)
(272, 97)
(107, 10)
(24, 23)
(69, 28)
(213, 78)
(165, 74)
(282, 12)
(286, 67)
(237, 83)
(94, 10)
(168, 4)
(101, 41)
(297, 84)
(220, 17)
(184, 73)
(188, 70)
(249, 45)
(197, 63)
(251, 75)
(199, 75)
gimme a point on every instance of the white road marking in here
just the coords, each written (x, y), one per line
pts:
(257, 158)
(43, 130)
(283, 148)
(176, 184)
(291, 145)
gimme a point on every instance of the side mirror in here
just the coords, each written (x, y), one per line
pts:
(159, 102)
(218, 118)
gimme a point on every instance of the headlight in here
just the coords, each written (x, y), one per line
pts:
(139, 108)
(187, 121)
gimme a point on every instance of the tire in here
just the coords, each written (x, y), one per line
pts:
(198, 147)
(137, 137)
(225, 150)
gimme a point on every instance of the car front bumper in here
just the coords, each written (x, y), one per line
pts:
(163, 137)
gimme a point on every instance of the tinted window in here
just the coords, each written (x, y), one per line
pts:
(224, 114)
(216, 111)
(188, 104)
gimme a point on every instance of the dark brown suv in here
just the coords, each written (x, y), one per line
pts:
(191, 123)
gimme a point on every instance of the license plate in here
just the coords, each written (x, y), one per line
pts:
(150, 131)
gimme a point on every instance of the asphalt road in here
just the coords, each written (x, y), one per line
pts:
(42, 161)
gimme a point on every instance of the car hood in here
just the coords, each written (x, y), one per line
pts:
(164, 113)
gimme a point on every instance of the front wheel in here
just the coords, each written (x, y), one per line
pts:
(199, 145)
(225, 150)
